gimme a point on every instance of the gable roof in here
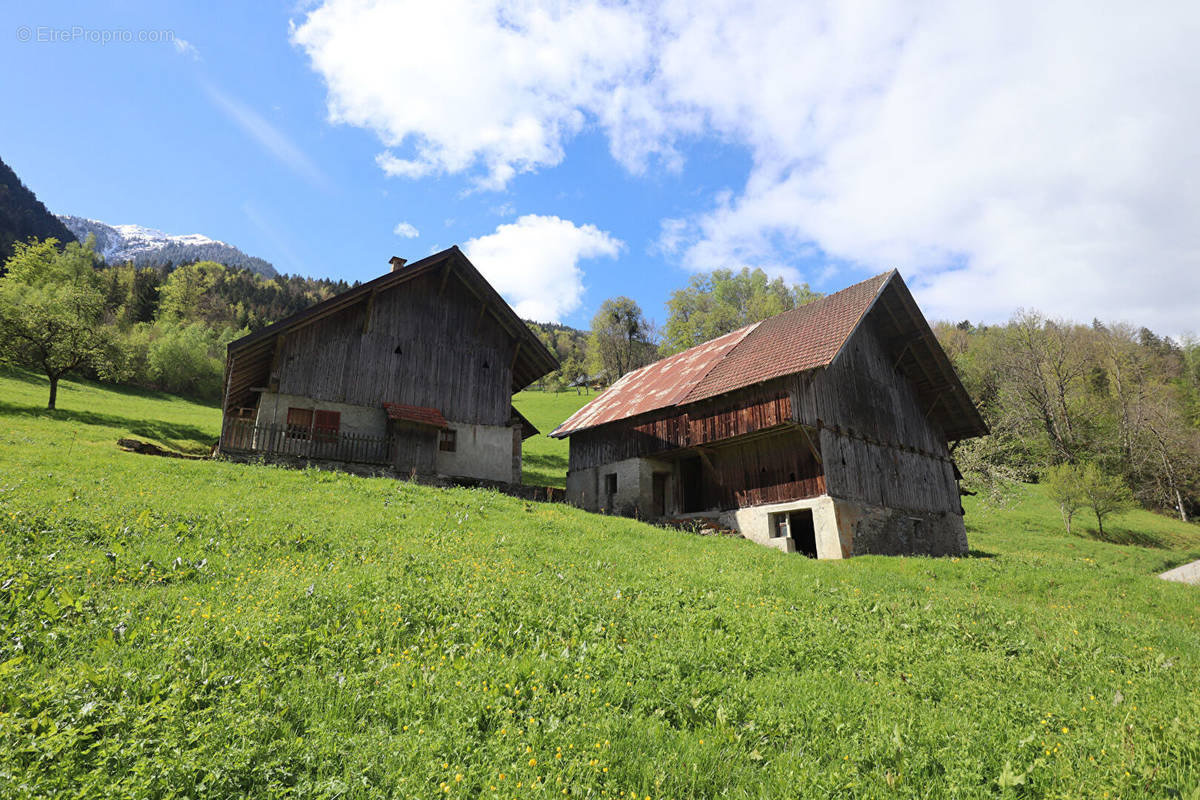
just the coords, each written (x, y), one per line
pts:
(799, 340)
(248, 360)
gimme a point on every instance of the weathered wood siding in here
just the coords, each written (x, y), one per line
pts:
(426, 343)
(772, 469)
(413, 448)
(700, 424)
(878, 445)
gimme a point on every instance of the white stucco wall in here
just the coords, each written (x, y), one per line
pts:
(483, 452)
(273, 409)
(754, 523)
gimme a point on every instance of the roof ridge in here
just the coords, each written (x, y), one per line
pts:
(805, 309)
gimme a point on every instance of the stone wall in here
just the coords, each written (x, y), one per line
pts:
(885, 531)
(635, 487)
(845, 528)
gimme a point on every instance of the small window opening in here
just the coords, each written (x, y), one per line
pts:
(398, 351)
(299, 422)
(485, 364)
(798, 527)
(448, 441)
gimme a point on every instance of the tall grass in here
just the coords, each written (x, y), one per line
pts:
(177, 628)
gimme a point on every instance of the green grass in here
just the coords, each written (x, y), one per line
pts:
(544, 460)
(196, 628)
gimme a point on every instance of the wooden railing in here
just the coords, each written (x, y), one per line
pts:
(243, 436)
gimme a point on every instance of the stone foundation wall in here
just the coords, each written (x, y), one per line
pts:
(890, 532)
(845, 528)
(635, 488)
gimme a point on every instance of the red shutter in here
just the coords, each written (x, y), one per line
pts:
(327, 425)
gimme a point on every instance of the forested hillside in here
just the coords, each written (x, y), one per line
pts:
(23, 216)
(1055, 392)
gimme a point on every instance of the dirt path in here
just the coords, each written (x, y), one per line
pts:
(1188, 573)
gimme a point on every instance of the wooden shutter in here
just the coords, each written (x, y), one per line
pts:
(299, 422)
(327, 425)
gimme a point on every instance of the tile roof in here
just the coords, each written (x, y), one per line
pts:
(659, 385)
(794, 341)
(420, 415)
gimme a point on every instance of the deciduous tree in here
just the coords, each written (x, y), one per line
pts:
(622, 339)
(1104, 494)
(51, 307)
(718, 302)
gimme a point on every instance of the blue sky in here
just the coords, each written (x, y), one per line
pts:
(1031, 159)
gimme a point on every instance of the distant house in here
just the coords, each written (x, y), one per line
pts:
(413, 371)
(823, 430)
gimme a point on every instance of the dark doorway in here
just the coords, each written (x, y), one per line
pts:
(690, 478)
(803, 531)
(659, 494)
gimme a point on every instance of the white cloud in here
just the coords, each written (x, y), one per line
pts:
(485, 86)
(1007, 156)
(406, 230)
(1001, 155)
(185, 48)
(273, 140)
(534, 263)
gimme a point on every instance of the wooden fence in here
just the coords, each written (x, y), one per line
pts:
(243, 436)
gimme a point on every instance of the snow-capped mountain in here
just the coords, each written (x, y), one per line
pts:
(148, 247)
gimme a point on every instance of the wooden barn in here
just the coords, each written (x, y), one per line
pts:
(413, 371)
(824, 430)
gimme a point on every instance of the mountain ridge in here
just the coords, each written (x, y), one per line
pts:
(150, 247)
(23, 216)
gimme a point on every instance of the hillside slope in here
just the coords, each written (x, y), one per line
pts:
(23, 216)
(224, 630)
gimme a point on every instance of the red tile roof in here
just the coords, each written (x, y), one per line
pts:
(416, 414)
(794, 341)
(659, 385)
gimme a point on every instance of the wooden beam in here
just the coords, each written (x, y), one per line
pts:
(370, 309)
(516, 354)
(273, 377)
(936, 399)
(228, 382)
(445, 277)
(811, 446)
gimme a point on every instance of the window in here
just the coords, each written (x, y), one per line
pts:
(327, 425)
(447, 441)
(299, 422)
(610, 483)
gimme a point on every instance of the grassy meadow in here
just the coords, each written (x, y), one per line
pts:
(544, 460)
(179, 628)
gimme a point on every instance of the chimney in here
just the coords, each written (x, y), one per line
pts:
(397, 262)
